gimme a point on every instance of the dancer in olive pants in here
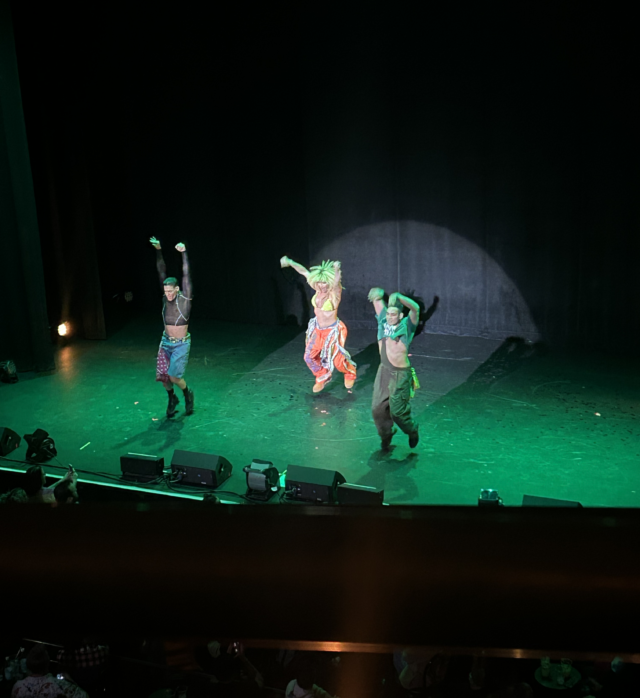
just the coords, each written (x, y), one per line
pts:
(395, 380)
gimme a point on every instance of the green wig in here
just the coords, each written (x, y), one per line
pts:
(324, 273)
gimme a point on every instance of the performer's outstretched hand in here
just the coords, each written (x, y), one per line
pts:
(155, 242)
(376, 294)
(285, 262)
(181, 247)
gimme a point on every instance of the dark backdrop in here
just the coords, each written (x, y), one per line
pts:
(24, 331)
(486, 158)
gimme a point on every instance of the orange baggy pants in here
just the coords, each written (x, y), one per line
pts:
(325, 351)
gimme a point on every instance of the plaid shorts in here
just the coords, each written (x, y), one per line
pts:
(173, 356)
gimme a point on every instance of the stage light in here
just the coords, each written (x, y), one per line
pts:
(8, 372)
(63, 329)
(41, 447)
(489, 498)
(262, 480)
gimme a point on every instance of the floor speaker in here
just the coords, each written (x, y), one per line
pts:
(313, 484)
(203, 469)
(139, 467)
(530, 500)
(9, 441)
(360, 494)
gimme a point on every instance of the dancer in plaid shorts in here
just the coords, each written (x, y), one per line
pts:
(173, 353)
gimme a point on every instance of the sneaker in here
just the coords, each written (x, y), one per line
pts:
(318, 386)
(173, 403)
(188, 402)
(414, 438)
(349, 382)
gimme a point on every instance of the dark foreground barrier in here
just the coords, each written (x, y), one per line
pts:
(514, 580)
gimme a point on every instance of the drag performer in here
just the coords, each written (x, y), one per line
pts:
(326, 335)
(396, 381)
(173, 354)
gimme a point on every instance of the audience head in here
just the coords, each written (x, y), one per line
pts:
(35, 480)
(15, 496)
(306, 671)
(617, 664)
(38, 660)
(305, 677)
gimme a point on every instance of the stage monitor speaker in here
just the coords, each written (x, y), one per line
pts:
(139, 467)
(313, 484)
(204, 469)
(360, 494)
(9, 441)
(530, 500)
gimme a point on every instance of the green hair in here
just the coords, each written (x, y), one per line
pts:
(324, 273)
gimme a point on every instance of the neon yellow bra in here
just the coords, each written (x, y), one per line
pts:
(327, 305)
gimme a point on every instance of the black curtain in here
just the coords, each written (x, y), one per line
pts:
(486, 157)
(24, 332)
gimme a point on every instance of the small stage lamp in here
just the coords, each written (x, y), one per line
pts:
(489, 498)
(63, 329)
(41, 447)
(263, 480)
(8, 372)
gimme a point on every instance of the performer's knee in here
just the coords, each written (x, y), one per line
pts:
(313, 362)
(380, 409)
(400, 409)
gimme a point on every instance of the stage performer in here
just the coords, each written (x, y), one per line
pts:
(396, 380)
(175, 345)
(326, 334)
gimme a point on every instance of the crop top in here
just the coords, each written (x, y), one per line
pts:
(402, 332)
(177, 311)
(327, 305)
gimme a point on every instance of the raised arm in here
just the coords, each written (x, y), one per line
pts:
(71, 476)
(160, 265)
(337, 283)
(286, 262)
(414, 308)
(376, 296)
(186, 276)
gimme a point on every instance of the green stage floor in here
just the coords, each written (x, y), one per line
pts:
(503, 415)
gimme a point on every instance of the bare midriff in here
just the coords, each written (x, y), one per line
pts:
(397, 353)
(177, 331)
(325, 318)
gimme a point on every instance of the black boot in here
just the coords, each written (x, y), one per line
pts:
(173, 403)
(188, 401)
(414, 438)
